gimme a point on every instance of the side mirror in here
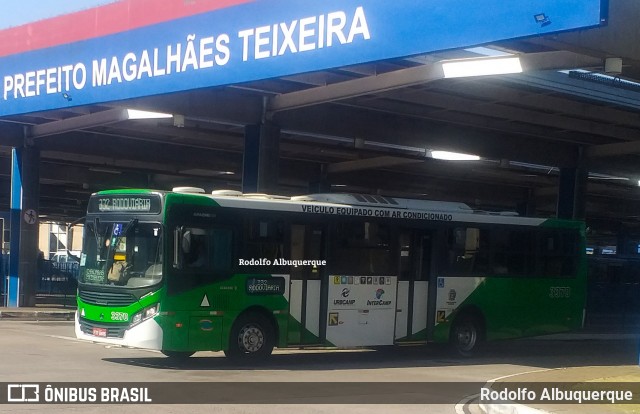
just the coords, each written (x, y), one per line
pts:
(177, 247)
(186, 242)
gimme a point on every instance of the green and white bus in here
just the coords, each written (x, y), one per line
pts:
(184, 271)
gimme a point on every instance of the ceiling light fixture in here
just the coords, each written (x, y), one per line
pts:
(138, 114)
(453, 156)
(481, 67)
(613, 66)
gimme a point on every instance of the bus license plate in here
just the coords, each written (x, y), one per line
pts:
(100, 332)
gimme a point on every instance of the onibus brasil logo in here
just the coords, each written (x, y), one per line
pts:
(34, 393)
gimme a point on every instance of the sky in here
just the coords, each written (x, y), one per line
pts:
(19, 12)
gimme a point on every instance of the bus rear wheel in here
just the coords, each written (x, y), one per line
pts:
(466, 335)
(252, 337)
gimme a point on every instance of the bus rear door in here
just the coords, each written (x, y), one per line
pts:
(307, 243)
(416, 288)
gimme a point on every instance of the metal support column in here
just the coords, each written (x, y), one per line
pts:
(261, 158)
(22, 281)
(572, 190)
(322, 184)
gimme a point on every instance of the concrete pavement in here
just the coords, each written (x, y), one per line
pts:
(48, 313)
(594, 375)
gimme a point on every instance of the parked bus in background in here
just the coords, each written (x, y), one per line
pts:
(185, 271)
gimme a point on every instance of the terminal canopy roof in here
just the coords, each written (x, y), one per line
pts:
(357, 89)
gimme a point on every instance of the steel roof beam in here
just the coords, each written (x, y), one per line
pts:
(349, 89)
(370, 163)
(11, 134)
(413, 76)
(78, 123)
(613, 150)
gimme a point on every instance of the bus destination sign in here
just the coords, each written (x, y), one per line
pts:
(143, 204)
(265, 286)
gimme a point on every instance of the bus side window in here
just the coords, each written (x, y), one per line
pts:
(557, 253)
(468, 251)
(362, 248)
(208, 249)
(194, 247)
(222, 249)
(263, 239)
(512, 248)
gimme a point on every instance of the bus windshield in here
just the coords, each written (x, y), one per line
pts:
(125, 254)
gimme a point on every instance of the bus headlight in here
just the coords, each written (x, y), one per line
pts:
(146, 313)
(151, 311)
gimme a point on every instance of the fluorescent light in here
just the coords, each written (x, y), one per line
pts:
(453, 156)
(598, 176)
(205, 173)
(137, 114)
(104, 170)
(481, 67)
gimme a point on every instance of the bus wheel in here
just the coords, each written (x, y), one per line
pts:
(252, 337)
(177, 354)
(466, 335)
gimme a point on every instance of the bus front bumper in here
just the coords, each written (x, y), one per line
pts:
(145, 335)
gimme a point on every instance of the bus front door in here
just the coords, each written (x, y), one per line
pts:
(413, 310)
(307, 243)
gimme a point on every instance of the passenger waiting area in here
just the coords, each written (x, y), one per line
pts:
(57, 281)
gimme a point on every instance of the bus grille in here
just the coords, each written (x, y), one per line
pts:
(113, 331)
(107, 299)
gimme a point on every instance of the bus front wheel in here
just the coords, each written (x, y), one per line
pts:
(252, 337)
(466, 335)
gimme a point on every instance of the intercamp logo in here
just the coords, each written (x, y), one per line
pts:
(27, 393)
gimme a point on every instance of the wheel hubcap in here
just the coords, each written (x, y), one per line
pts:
(251, 338)
(466, 337)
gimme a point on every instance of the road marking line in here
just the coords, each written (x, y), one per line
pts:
(491, 381)
(68, 338)
(460, 407)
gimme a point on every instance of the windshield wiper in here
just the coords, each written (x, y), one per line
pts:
(129, 224)
(96, 224)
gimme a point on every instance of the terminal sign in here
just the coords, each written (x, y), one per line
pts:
(262, 39)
